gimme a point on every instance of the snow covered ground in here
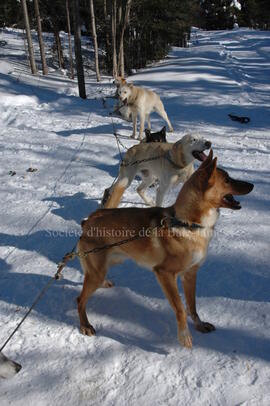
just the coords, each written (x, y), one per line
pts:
(135, 359)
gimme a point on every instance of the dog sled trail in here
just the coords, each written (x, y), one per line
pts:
(135, 357)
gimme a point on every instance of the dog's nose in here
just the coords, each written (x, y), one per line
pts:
(207, 144)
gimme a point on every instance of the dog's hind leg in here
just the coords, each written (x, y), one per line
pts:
(161, 191)
(93, 279)
(159, 108)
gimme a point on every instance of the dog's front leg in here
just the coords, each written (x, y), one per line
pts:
(93, 279)
(142, 121)
(148, 122)
(168, 283)
(189, 286)
(134, 121)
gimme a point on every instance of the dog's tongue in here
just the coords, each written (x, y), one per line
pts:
(200, 155)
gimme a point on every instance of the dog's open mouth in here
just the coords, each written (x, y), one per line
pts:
(125, 102)
(230, 202)
(200, 155)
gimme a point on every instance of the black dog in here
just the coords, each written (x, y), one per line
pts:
(242, 120)
(159, 136)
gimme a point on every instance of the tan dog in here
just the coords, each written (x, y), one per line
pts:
(177, 249)
(142, 102)
(174, 165)
(119, 81)
(120, 107)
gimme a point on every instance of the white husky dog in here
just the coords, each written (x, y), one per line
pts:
(141, 102)
(8, 368)
(169, 163)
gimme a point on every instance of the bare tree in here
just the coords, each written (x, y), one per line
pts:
(58, 45)
(121, 62)
(71, 70)
(93, 24)
(40, 39)
(114, 54)
(107, 31)
(29, 38)
(78, 49)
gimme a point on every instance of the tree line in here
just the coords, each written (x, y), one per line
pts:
(125, 34)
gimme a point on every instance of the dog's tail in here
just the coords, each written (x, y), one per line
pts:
(115, 195)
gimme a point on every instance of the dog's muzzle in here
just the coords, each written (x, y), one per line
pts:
(200, 155)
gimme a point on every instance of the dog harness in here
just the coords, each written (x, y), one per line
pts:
(171, 222)
(175, 165)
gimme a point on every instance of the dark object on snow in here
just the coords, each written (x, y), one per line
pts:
(242, 120)
(31, 170)
(12, 173)
(159, 136)
(8, 368)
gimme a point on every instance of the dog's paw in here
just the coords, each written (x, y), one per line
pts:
(107, 284)
(204, 327)
(151, 203)
(185, 338)
(88, 331)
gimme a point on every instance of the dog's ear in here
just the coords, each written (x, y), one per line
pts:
(130, 85)
(207, 171)
(147, 132)
(163, 130)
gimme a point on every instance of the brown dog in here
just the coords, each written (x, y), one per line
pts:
(177, 248)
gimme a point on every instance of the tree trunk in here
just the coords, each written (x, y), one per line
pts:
(107, 28)
(114, 9)
(93, 23)
(71, 70)
(78, 49)
(121, 62)
(29, 38)
(58, 47)
(40, 39)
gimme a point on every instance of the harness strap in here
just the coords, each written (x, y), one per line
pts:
(174, 164)
(171, 222)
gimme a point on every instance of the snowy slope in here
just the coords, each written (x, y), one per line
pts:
(135, 358)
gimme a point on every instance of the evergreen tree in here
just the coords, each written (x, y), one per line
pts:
(11, 13)
(217, 15)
